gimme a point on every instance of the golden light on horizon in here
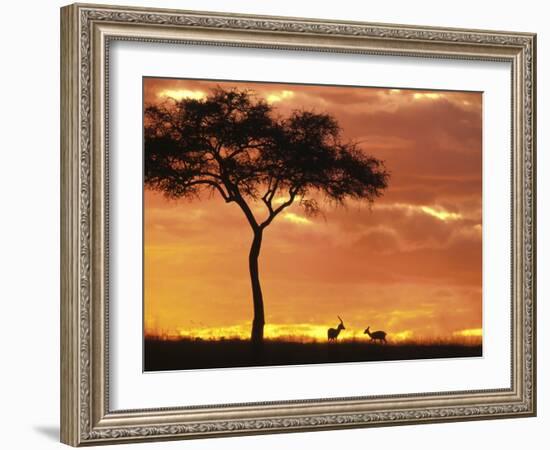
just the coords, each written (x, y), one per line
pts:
(291, 332)
(471, 332)
(402, 335)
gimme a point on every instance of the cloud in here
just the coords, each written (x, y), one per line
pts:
(434, 211)
(279, 96)
(297, 219)
(180, 94)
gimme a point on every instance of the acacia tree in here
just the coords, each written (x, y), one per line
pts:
(231, 143)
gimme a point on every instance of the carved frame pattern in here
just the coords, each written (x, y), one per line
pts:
(85, 416)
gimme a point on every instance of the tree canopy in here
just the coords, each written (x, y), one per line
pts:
(232, 143)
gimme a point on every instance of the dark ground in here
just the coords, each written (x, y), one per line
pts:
(197, 354)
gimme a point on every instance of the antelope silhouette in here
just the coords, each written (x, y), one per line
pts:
(376, 335)
(332, 333)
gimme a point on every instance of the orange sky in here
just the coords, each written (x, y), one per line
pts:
(409, 265)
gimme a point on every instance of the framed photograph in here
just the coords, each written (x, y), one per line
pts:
(275, 224)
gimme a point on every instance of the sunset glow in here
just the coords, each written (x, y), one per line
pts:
(409, 264)
(471, 332)
(427, 95)
(179, 94)
(304, 333)
(295, 218)
(279, 96)
(440, 214)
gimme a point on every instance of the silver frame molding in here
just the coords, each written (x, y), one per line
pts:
(86, 31)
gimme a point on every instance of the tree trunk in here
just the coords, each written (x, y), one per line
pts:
(257, 335)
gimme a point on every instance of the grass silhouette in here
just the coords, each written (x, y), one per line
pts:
(196, 353)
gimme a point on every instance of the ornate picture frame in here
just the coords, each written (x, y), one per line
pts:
(87, 31)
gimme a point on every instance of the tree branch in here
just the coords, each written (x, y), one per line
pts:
(243, 147)
(247, 211)
(270, 193)
(226, 196)
(235, 194)
(274, 212)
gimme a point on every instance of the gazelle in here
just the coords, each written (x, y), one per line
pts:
(332, 333)
(376, 335)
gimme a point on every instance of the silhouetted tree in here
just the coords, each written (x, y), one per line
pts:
(231, 143)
